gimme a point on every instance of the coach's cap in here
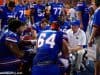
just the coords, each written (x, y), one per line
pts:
(75, 23)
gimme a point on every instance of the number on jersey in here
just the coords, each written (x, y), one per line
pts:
(57, 10)
(50, 40)
(21, 13)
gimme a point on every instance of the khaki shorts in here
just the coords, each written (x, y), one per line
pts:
(97, 42)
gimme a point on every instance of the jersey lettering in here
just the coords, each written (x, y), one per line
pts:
(50, 40)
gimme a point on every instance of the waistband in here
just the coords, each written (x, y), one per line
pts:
(44, 63)
(7, 62)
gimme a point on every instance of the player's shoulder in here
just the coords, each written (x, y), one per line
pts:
(69, 30)
(60, 3)
(48, 31)
(81, 31)
(10, 33)
(80, 3)
(3, 8)
(97, 10)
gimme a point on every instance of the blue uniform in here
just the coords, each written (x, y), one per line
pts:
(20, 9)
(39, 13)
(49, 45)
(96, 23)
(38, 28)
(96, 19)
(65, 26)
(8, 60)
(56, 10)
(82, 7)
(5, 15)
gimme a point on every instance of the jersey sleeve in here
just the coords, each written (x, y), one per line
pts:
(12, 38)
(80, 7)
(96, 20)
(65, 36)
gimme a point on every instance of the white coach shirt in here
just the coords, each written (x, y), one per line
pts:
(75, 39)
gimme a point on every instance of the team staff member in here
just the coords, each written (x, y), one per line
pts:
(49, 44)
(95, 36)
(76, 39)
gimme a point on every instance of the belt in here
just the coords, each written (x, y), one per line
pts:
(10, 62)
(44, 63)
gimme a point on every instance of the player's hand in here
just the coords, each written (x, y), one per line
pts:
(90, 42)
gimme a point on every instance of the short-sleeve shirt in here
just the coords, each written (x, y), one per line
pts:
(75, 39)
(20, 9)
(39, 13)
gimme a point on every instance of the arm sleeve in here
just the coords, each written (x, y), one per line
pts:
(12, 38)
(96, 20)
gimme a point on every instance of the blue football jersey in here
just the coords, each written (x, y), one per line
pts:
(39, 13)
(20, 9)
(38, 28)
(6, 54)
(96, 19)
(49, 45)
(5, 15)
(65, 26)
(82, 7)
(56, 10)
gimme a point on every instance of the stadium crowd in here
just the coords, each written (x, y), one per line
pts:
(50, 37)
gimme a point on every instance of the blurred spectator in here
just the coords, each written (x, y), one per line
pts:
(83, 14)
(7, 12)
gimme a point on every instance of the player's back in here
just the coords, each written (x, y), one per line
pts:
(49, 45)
(5, 52)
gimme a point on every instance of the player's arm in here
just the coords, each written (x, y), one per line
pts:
(91, 40)
(14, 48)
(77, 48)
(65, 50)
(1, 12)
(32, 11)
(79, 16)
(47, 9)
(0, 24)
(79, 10)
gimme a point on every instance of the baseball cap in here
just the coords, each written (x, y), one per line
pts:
(75, 23)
